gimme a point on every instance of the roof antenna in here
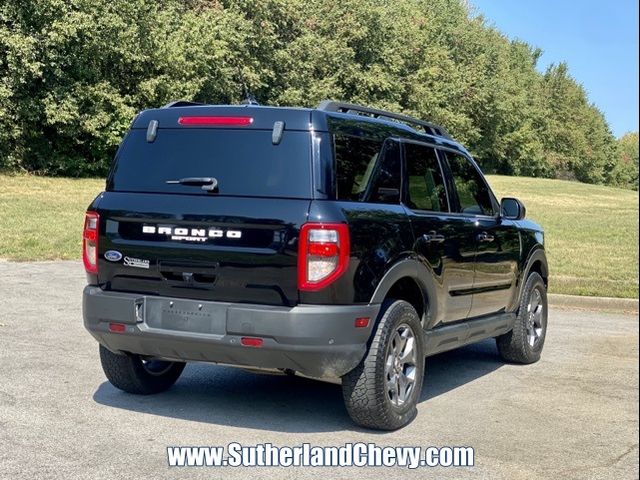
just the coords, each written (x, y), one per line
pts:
(249, 99)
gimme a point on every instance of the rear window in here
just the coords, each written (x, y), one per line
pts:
(244, 162)
(367, 170)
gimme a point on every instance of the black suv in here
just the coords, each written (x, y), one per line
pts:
(340, 242)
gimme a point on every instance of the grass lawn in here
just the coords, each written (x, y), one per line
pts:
(591, 231)
(41, 217)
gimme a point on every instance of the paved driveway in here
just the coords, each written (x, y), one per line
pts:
(572, 415)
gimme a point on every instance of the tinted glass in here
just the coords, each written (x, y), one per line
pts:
(473, 193)
(385, 181)
(426, 190)
(367, 170)
(245, 162)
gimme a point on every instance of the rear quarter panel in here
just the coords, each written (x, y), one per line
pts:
(381, 236)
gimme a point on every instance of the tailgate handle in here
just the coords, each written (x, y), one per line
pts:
(189, 278)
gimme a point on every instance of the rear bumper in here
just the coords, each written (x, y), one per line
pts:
(315, 340)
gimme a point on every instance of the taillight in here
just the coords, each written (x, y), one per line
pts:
(323, 254)
(90, 242)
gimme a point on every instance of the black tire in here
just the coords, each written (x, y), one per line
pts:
(366, 389)
(133, 375)
(516, 346)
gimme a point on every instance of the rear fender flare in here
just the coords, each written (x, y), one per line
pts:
(414, 269)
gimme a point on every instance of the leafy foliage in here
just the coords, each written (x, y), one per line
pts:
(73, 73)
(625, 171)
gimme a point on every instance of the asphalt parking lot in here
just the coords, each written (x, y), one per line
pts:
(572, 415)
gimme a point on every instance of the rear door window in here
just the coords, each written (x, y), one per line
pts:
(426, 189)
(244, 162)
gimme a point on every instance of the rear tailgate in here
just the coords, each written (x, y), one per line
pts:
(236, 243)
(202, 247)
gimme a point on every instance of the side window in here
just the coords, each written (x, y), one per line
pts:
(473, 193)
(426, 190)
(384, 186)
(367, 170)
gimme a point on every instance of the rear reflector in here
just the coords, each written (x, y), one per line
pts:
(216, 121)
(117, 327)
(362, 322)
(251, 341)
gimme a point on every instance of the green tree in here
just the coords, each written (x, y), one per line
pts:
(73, 73)
(625, 171)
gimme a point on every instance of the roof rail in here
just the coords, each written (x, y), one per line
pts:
(181, 103)
(341, 107)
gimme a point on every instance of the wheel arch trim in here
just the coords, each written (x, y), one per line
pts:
(416, 271)
(537, 255)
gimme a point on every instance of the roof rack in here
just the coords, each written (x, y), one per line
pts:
(181, 103)
(341, 107)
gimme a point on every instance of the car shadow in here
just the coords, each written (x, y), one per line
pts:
(230, 396)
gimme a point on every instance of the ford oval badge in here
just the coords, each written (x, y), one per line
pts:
(113, 255)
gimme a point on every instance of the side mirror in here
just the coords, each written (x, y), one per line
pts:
(512, 209)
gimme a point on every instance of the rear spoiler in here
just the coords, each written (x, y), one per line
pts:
(188, 115)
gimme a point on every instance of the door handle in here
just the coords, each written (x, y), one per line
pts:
(485, 237)
(433, 237)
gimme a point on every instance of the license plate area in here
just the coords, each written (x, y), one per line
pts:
(185, 316)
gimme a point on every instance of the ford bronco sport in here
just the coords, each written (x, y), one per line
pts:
(339, 242)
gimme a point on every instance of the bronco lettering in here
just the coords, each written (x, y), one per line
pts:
(191, 234)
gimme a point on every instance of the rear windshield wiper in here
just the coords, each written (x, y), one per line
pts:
(208, 184)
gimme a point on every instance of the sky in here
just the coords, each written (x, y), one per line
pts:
(597, 39)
